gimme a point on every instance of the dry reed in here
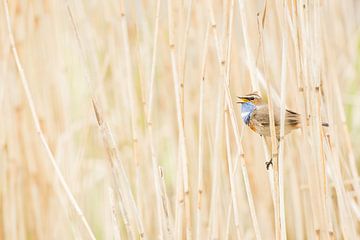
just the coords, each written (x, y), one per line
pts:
(133, 104)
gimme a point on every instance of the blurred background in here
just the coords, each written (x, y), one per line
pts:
(168, 156)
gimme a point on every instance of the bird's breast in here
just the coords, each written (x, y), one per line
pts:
(246, 117)
(252, 126)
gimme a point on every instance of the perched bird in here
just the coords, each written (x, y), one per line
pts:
(255, 114)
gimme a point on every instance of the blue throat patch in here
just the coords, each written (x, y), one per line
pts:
(246, 110)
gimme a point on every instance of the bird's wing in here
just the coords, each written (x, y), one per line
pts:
(261, 115)
(292, 118)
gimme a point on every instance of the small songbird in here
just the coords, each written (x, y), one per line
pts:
(255, 114)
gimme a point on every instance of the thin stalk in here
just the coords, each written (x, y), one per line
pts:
(345, 131)
(318, 50)
(232, 176)
(214, 208)
(182, 142)
(131, 93)
(130, 87)
(114, 218)
(274, 149)
(282, 124)
(346, 220)
(249, 56)
(184, 55)
(200, 180)
(304, 86)
(166, 208)
(265, 144)
(139, 191)
(148, 113)
(343, 198)
(233, 186)
(228, 221)
(179, 198)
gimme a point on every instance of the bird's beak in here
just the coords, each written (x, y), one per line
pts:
(243, 99)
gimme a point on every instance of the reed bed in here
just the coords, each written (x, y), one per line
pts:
(119, 119)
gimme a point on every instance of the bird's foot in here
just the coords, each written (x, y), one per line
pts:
(268, 164)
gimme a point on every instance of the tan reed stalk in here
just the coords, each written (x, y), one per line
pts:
(249, 56)
(120, 178)
(113, 155)
(228, 220)
(296, 201)
(346, 219)
(184, 48)
(345, 131)
(296, 193)
(140, 66)
(345, 216)
(38, 129)
(261, 49)
(303, 86)
(233, 185)
(215, 198)
(232, 175)
(319, 131)
(240, 154)
(166, 209)
(160, 204)
(281, 158)
(114, 218)
(179, 198)
(279, 210)
(274, 157)
(182, 143)
(281, 144)
(131, 99)
(213, 215)
(130, 89)
(315, 173)
(200, 180)
(274, 173)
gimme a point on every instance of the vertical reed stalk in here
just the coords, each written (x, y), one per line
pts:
(200, 180)
(182, 142)
(282, 122)
(233, 185)
(148, 112)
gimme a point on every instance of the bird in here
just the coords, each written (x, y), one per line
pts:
(255, 115)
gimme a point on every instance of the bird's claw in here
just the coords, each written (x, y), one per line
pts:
(268, 164)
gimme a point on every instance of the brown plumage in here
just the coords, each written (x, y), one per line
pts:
(255, 114)
(260, 121)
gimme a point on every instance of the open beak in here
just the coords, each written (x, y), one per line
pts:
(243, 99)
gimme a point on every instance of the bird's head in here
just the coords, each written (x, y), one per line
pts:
(253, 98)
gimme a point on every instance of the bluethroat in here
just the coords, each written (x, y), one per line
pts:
(255, 114)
